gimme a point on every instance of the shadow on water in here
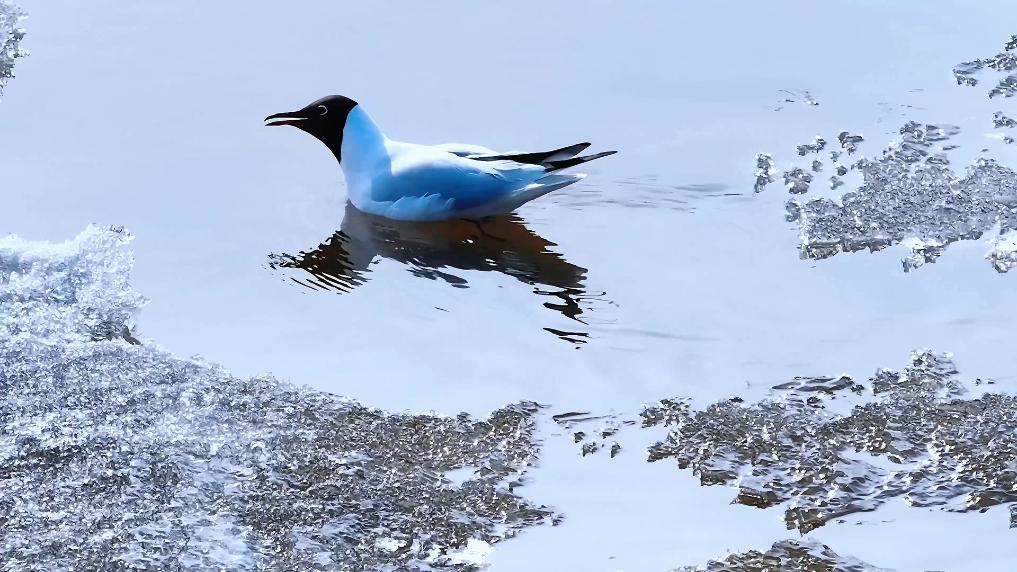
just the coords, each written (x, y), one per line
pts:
(436, 250)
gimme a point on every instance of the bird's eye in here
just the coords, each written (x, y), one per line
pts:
(323, 109)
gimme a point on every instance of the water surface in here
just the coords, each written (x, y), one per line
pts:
(661, 275)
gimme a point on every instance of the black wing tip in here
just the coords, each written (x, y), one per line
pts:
(543, 158)
(566, 163)
(586, 158)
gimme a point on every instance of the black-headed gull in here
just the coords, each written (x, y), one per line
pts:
(406, 181)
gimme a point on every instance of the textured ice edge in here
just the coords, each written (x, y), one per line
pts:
(10, 38)
(822, 449)
(114, 453)
(909, 195)
(826, 447)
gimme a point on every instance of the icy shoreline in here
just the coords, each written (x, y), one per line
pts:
(115, 451)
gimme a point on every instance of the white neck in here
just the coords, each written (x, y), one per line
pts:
(363, 146)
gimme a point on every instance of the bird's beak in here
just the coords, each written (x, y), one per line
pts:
(294, 118)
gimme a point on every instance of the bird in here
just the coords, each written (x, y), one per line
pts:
(413, 182)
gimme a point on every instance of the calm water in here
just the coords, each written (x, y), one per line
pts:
(661, 275)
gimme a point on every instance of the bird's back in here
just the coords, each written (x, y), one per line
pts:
(436, 183)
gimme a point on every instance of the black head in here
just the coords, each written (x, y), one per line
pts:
(325, 119)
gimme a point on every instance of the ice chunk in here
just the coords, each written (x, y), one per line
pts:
(849, 142)
(1000, 120)
(817, 145)
(965, 72)
(765, 171)
(1006, 87)
(792, 210)
(797, 180)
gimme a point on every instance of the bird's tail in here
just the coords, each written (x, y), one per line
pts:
(539, 158)
(572, 162)
(550, 183)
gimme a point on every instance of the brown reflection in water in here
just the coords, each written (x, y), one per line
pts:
(435, 250)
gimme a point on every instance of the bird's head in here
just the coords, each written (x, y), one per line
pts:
(324, 118)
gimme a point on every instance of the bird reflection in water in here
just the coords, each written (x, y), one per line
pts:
(435, 250)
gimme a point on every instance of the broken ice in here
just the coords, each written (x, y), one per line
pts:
(1006, 61)
(797, 180)
(790, 450)
(1000, 120)
(909, 195)
(1003, 254)
(849, 142)
(817, 145)
(765, 171)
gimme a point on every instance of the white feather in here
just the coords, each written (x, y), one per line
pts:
(407, 181)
